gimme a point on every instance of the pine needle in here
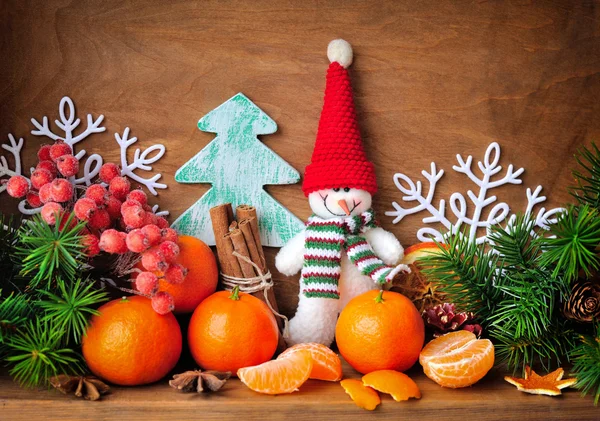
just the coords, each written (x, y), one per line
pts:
(49, 252)
(586, 364)
(37, 354)
(70, 309)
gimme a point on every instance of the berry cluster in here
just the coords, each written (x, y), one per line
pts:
(118, 219)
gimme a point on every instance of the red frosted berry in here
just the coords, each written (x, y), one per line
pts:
(152, 233)
(59, 149)
(119, 187)
(17, 186)
(168, 234)
(170, 250)
(150, 218)
(147, 283)
(137, 241)
(44, 153)
(48, 165)
(68, 165)
(50, 211)
(139, 195)
(113, 207)
(33, 199)
(175, 274)
(62, 190)
(84, 208)
(99, 220)
(133, 214)
(162, 222)
(113, 241)
(153, 260)
(109, 171)
(97, 193)
(90, 241)
(163, 302)
(45, 193)
(40, 177)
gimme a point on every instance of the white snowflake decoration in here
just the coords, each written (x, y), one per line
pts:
(413, 192)
(67, 124)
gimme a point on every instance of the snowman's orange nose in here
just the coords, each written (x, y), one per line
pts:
(344, 206)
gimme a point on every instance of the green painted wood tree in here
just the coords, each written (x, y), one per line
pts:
(238, 165)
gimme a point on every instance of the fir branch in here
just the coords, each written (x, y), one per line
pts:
(587, 191)
(70, 309)
(586, 364)
(50, 252)
(14, 312)
(514, 243)
(36, 354)
(466, 275)
(9, 238)
(547, 349)
(573, 248)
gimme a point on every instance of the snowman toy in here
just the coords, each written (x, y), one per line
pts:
(342, 252)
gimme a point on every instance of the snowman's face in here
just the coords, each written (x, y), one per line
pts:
(339, 202)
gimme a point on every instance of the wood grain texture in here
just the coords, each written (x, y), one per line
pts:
(491, 399)
(431, 79)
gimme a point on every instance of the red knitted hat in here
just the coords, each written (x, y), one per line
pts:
(339, 159)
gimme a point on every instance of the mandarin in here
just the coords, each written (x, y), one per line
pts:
(202, 274)
(283, 375)
(326, 363)
(130, 344)
(457, 359)
(380, 330)
(230, 330)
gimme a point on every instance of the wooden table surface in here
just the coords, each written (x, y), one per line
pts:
(490, 399)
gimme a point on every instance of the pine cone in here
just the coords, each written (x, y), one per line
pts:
(443, 319)
(584, 303)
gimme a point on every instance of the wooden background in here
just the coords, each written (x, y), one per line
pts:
(431, 79)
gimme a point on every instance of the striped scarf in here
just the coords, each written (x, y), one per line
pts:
(324, 241)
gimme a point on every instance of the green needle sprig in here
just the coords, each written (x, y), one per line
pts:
(586, 364)
(50, 252)
(37, 353)
(70, 308)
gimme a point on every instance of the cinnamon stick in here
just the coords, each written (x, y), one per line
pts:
(239, 245)
(251, 243)
(249, 212)
(221, 216)
(232, 261)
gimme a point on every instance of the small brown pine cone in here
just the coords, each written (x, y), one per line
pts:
(583, 304)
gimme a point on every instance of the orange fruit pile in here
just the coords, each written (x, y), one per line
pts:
(380, 330)
(364, 393)
(326, 363)
(230, 330)
(457, 359)
(202, 276)
(130, 344)
(283, 375)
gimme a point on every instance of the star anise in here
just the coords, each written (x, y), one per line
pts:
(87, 387)
(199, 381)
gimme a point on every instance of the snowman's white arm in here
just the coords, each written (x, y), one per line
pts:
(290, 258)
(385, 245)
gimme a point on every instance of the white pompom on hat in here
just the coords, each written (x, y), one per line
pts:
(340, 51)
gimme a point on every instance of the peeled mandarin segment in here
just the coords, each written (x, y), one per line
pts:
(283, 375)
(454, 361)
(326, 363)
(445, 344)
(392, 382)
(362, 395)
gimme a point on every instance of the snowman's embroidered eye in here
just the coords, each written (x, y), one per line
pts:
(336, 190)
(346, 189)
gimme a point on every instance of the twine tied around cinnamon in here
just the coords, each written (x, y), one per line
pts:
(262, 282)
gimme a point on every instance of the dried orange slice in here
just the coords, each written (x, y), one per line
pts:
(326, 363)
(284, 375)
(457, 359)
(394, 383)
(362, 395)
